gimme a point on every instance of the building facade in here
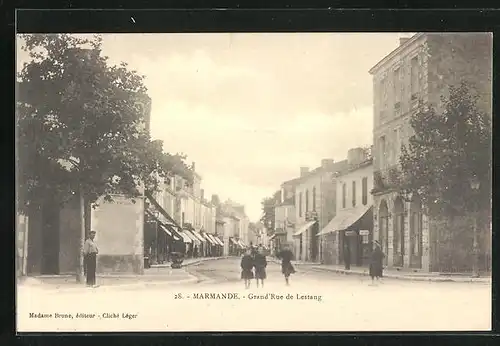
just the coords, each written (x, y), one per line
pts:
(315, 205)
(347, 238)
(421, 69)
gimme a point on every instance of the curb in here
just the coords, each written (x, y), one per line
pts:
(44, 287)
(190, 263)
(402, 277)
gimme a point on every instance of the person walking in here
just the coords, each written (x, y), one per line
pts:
(376, 259)
(347, 256)
(90, 252)
(246, 268)
(260, 264)
(287, 268)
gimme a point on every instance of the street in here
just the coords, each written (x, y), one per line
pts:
(315, 301)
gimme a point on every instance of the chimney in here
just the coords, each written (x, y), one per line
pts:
(327, 163)
(215, 200)
(356, 156)
(202, 194)
(304, 171)
(402, 40)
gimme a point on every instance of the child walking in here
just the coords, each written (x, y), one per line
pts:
(246, 268)
(260, 264)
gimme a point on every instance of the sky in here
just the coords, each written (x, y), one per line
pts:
(251, 109)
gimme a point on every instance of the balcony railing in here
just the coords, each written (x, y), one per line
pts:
(386, 179)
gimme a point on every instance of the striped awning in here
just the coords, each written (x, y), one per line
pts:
(185, 237)
(193, 238)
(218, 240)
(210, 240)
(199, 236)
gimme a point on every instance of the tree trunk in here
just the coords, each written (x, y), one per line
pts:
(81, 270)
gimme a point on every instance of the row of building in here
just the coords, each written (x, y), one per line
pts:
(332, 213)
(183, 208)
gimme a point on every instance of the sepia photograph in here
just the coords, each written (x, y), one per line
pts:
(254, 182)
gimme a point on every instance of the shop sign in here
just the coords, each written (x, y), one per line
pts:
(350, 233)
(364, 232)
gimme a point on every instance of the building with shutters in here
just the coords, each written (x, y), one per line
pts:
(421, 68)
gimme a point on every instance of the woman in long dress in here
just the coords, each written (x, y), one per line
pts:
(287, 268)
(246, 268)
(376, 265)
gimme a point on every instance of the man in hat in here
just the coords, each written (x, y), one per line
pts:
(90, 252)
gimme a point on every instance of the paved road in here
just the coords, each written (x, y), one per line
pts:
(318, 301)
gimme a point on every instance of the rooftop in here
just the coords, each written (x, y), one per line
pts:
(395, 52)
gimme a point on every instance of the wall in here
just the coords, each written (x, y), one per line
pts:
(119, 235)
(325, 207)
(356, 175)
(34, 250)
(461, 57)
(70, 235)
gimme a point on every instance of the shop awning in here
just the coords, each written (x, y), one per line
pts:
(219, 241)
(304, 228)
(192, 236)
(345, 219)
(162, 211)
(214, 239)
(234, 241)
(242, 244)
(185, 237)
(168, 228)
(210, 240)
(199, 236)
(272, 237)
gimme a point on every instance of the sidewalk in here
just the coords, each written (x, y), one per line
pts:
(161, 274)
(190, 261)
(394, 274)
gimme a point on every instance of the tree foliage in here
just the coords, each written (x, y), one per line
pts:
(81, 125)
(268, 214)
(448, 149)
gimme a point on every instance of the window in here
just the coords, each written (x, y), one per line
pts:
(397, 85)
(365, 239)
(364, 191)
(397, 145)
(383, 94)
(307, 201)
(300, 204)
(414, 79)
(382, 151)
(344, 193)
(353, 193)
(314, 199)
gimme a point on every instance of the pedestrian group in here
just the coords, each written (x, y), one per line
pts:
(254, 263)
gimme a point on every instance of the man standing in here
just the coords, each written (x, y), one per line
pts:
(90, 252)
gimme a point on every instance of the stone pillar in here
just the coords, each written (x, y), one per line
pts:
(390, 236)
(406, 257)
(426, 259)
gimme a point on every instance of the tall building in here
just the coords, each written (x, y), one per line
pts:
(315, 206)
(348, 236)
(420, 68)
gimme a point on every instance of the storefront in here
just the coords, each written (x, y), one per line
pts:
(351, 234)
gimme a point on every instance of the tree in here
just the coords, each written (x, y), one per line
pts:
(268, 205)
(449, 148)
(82, 127)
